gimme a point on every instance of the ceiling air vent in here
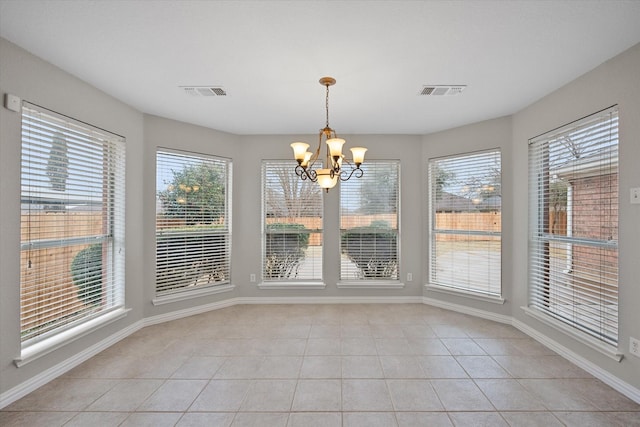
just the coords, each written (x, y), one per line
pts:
(204, 90)
(441, 90)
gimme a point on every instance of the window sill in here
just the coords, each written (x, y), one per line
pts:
(292, 285)
(46, 346)
(369, 284)
(583, 338)
(192, 293)
(465, 294)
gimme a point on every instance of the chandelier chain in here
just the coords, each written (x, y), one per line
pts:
(326, 104)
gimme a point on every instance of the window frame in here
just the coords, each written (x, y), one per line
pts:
(172, 290)
(540, 238)
(85, 145)
(316, 281)
(371, 282)
(465, 289)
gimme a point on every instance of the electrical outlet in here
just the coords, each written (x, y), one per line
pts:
(634, 346)
(252, 278)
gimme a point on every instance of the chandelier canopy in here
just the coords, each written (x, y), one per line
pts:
(333, 168)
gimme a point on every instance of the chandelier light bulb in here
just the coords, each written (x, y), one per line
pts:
(327, 179)
(307, 158)
(299, 150)
(335, 147)
(358, 155)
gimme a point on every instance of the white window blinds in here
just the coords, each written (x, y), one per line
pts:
(193, 221)
(465, 222)
(369, 212)
(72, 223)
(292, 225)
(573, 247)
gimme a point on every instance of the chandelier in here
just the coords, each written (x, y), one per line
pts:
(333, 168)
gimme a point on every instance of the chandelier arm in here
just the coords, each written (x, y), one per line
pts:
(354, 171)
(314, 158)
(319, 146)
(306, 173)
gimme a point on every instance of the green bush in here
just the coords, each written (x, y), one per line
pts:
(86, 271)
(373, 249)
(284, 251)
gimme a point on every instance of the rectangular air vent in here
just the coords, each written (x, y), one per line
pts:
(441, 90)
(204, 90)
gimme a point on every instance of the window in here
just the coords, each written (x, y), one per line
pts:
(292, 225)
(71, 225)
(465, 223)
(573, 247)
(193, 222)
(369, 212)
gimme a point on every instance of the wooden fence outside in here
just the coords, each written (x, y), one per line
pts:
(478, 221)
(47, 291)
(38, 266)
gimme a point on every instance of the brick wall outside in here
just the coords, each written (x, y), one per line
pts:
(595, 207)
(595, 216)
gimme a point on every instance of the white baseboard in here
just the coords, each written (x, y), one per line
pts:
(603, 375)
(179, 314)
(330, 300)
(44, 377)
(500, 318)
(174, 315)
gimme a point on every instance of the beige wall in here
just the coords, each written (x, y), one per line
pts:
(616, 81)
(487, 135)
(164, 133)
(247, 213)
(39, 82)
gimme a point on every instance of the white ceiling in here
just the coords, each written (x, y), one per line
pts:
(269, 55)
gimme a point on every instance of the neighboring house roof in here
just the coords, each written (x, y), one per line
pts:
(490, 204)
(449, 202)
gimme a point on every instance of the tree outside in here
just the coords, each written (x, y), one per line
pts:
(58, 168)
(558, 192)
(293, 211)
(288, 196)
(379, 193)
(195, 194)
(442, 179)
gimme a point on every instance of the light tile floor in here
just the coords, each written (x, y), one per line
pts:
(325, 365)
